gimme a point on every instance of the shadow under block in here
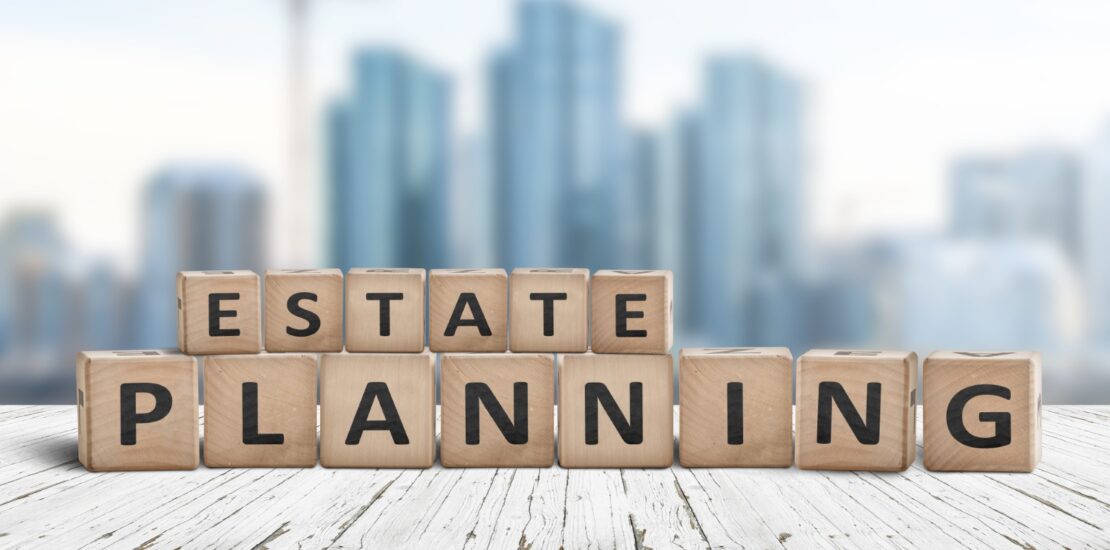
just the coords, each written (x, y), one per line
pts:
(304, 310)
(218, 312)
(137, 410)
(468, 310)
(855, 410)
(485, 397)
(260, 410)
(982, 411)
(735, 407)
(385, 310)
(616, 411)
(378, 410)
(549, 310)
(631, 311)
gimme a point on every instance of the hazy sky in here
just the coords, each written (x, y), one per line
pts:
(95, 95)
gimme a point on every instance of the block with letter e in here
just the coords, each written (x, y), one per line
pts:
(260, 410)
(498, 410)
(385, 310)
(856, 410)
(377, 410)
(549, 310)
(304, 310)
(137, 410)
(468, 310)
(631, 311)
(218, 312)
(982, 411)
(616, 411)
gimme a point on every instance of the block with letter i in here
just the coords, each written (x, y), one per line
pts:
(497, 410)
(377, 410)
(549, 310)
(468, 310)
(631, 311)
(385, 310)
(137, 410)
(735, 407)
(260, 410)
(982, 411)
(304, 310)
(218, 312)
(856, 410)
(616, 411)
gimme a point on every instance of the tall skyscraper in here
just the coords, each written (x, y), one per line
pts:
(195, 217)
(555, 136)
(387, 160)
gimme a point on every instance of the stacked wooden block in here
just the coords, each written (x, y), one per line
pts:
(498, 337)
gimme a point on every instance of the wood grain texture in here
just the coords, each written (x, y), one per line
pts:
(490, 290)
(894, 373)
(766, 376)
(570, 316)
(365, 330)
(286, 394)
(948, 373)
(326, 285)
(242, 314)
(171, 442)
(649, 293)
(410, 379)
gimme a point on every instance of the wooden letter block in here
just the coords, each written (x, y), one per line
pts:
(616, 411)
(631, 311)
(855, 410)
(304, 310)
(137, 410)
(982, 411)
(498, 410)
(469, 310)
(260, 410)
(218, 312)
(385, 310)
(735, 407)
(549, 310)
(378, 410)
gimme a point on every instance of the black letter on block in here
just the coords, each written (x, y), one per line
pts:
(548, 309)
(623, 315)
(632, 432)
(515, 431)
(129, 419)
(735, 413)
(296, 309)
(250, 419)
(479, 320)
(215, 313)
(392, 422)
(383, 308)
(866, 432)
(955, 417)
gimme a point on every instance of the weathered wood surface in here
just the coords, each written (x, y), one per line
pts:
(48, 500)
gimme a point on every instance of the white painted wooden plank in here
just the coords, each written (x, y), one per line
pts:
(597, 511)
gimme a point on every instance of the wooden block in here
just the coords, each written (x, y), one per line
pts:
(137, 410)
(616, 411)
(378, 410)
(218, 312)
(469, 310)
(549, 310)
(498, 410)
(304, 310)
(855, 410)
(260, 410)
(385, 310)
(632, 311)
(982, 411)
(736, 407)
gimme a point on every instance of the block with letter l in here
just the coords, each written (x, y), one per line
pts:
(218, 312)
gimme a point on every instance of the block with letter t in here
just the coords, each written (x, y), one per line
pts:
(385, 310)
(304, 310)
(982, 411)
(549, 310)
(468, 310)
(631, 311)
(855, 410)
(218, 312)
(137, 410)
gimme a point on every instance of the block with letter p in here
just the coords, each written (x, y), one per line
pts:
(982, 411)
(631, 311)
(304, 310)
(218, 312)
(855, 410)
(468, 310)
